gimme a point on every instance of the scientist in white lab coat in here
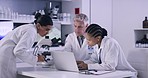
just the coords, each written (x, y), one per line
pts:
(18, 41)
(76, 42)
(108, 55)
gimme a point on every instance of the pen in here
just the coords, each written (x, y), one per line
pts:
(93, 70)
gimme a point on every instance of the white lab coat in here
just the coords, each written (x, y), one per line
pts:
(112, 57)
(72, 45)
(15, 44)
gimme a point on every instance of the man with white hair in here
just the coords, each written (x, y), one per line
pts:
(76, 42)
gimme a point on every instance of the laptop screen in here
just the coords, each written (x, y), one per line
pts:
(65, 61)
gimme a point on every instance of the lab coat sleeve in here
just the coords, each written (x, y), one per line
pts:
(110, 59)
(68, 44)
(21, 50)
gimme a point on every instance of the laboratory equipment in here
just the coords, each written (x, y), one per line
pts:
(42, 48)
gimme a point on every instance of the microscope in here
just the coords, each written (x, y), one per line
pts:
(55, 12)
(42, 48)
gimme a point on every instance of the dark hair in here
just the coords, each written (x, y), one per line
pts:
(37, 15)
(95, 30)
(43, 20)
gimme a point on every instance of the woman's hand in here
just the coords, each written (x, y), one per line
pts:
(41, 58)
(82, 65)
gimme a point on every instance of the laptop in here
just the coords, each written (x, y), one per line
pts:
(65, 61)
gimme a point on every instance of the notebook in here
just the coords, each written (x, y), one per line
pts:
(65, 61)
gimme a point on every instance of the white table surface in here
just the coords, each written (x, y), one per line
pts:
(40, 72)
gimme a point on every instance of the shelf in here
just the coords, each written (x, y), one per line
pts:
(62, 22)
(141, 38)
(65, 23)
(141, 29)
(139, 33)
(30, 21)
(19, 20)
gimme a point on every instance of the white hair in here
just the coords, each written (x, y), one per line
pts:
(81, 17)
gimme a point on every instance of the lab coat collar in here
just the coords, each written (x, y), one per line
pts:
(103, 42)
(35, 27)
(77, 43)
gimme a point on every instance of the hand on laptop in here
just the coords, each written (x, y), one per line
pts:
(82, 65)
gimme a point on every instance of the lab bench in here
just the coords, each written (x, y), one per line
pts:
(25, 70)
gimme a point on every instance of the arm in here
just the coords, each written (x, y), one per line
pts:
(110, 58)
(84, 65)
(25, 42)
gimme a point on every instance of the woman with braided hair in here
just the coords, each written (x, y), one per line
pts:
(108, 55)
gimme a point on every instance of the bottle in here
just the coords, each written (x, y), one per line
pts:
(145, 23)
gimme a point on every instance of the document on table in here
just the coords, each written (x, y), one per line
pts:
(95, 72)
